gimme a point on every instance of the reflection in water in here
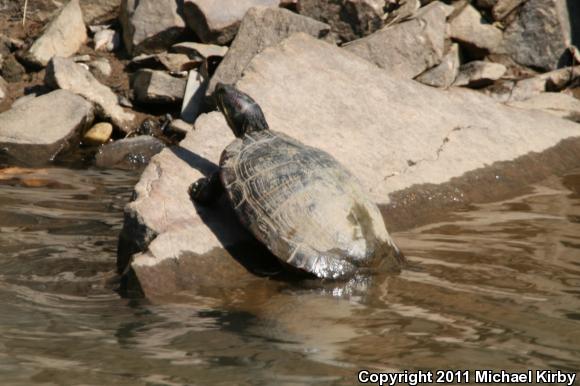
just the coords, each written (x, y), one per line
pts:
(498, 287)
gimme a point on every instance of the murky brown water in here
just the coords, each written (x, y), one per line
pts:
(497, 287)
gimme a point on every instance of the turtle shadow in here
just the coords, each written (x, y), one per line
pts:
(223, 222)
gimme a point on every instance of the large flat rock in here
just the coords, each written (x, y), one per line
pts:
(35, 132)
(392, 133)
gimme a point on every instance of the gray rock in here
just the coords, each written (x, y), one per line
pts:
(261, 28)
(129, 153)
(107, 40)
(561, 105)
(479, 74)
(151, 25)
(193, 49)
(349, 19)
(504, 7)
(63, 36)
(193, 100)
(407, 49)
(3, 89)
(472, 32)
(218, 21)
(12, 70)
(540, 35)
(68, 75)
(444, 74)
(372, 125)
(35, 132)
(158, 87)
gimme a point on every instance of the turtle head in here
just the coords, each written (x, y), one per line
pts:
(243, 114)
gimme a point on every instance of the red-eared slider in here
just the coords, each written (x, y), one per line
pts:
(297, 200)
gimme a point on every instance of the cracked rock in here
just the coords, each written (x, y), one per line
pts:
(372, 126)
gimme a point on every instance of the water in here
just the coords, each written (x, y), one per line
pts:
(496, 287)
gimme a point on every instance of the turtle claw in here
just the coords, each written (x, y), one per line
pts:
(205, 191)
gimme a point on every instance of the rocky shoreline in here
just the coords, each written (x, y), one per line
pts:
(431, 104)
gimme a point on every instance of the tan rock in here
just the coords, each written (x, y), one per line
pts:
(65, 34)
(98, 134)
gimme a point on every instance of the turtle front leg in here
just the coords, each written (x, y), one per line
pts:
(206, 191)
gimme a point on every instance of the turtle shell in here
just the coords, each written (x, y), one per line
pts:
(303, 205)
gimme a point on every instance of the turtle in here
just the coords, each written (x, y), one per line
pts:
(297, 200)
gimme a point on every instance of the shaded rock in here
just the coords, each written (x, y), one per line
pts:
(193, 49)
(261, 28)
(444, 74)
(479, 74)
(372, 126)
(98, 134)
(158, 87)
(3, 89)
(406, 9)
(504, 7)
(101, 66)
(540, 35)
(485, 4)
(63, 36)
(99, 10)
(12, 70)
(180, 126)
(472, 32)
(348, 19)
(107, 40)
(174, 62)
(218, 22)
(407, 49)
(37, 131)
(550, 81)
(68, 75)
(193, 100)
(561, 105)
(151, 25)
(129, 153)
